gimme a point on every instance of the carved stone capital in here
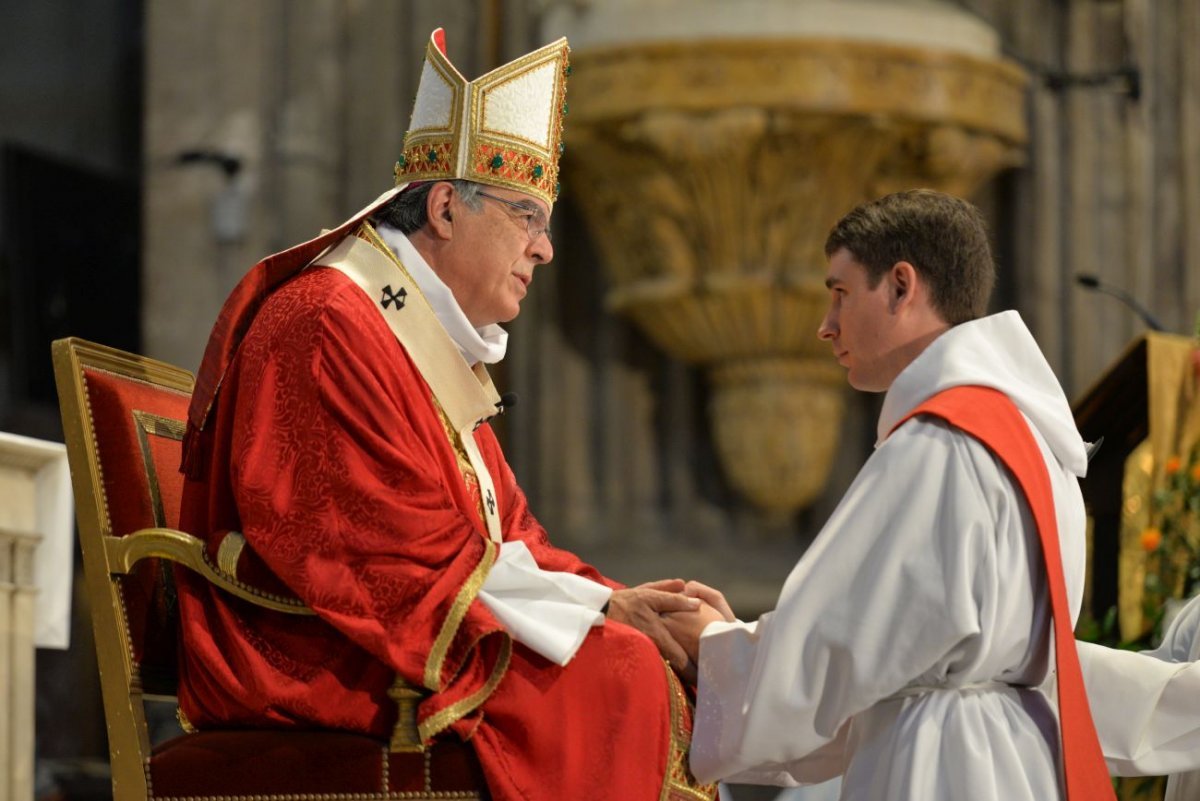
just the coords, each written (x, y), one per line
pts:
(711, 173)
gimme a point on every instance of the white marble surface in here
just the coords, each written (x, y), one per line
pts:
(35, 587)
(35, 497)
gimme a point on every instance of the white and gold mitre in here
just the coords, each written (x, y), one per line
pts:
(504, 128)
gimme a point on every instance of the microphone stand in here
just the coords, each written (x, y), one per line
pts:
(1096, 285)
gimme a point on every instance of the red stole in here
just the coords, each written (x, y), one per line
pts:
(990, 417)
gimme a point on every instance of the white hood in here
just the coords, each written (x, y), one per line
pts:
(998, 352)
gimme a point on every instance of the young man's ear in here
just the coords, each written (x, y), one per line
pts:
(437, 209)
(902, 280)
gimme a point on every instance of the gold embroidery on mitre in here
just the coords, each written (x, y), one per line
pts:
(503, 129)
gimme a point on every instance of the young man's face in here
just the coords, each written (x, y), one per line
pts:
(861, 325)
(490, 266)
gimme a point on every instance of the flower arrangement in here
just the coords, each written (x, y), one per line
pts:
(1173, 543)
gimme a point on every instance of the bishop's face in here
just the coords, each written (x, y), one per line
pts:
(860, 324)
(489, 265)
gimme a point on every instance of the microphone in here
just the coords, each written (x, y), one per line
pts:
(1096, 285)
(507, 401)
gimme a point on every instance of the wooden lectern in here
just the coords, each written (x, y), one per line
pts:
(1141, 400)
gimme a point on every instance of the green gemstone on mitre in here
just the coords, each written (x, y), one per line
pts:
(497, 161)
(403, 161)
(431, 155)
(537, 171)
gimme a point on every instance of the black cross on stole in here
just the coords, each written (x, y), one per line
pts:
(393, 297)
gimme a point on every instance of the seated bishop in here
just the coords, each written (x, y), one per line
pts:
(338, 450)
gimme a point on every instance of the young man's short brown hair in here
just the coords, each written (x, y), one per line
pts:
(944, 238)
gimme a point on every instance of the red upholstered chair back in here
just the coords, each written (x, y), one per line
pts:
(123, 420)
(123, 423)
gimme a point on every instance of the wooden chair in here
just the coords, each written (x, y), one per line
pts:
(123, 420)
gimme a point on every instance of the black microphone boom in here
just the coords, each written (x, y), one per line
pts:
(1096, 285)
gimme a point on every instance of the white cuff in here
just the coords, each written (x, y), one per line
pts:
(548, 611)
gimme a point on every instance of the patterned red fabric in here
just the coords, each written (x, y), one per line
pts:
(325, 449)
(234, 320)
(990, 417)
(149, 609)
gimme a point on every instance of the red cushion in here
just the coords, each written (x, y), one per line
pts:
(228, 763)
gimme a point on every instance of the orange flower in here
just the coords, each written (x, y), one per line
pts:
(1151, 539)
(1172, 465)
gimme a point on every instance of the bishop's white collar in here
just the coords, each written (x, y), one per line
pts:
(487, 344)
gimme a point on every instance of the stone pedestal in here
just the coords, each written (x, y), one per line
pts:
(35, 488)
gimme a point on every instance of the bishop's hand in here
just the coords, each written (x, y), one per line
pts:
(643, 608)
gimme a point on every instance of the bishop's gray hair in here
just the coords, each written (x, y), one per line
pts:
(408, 210)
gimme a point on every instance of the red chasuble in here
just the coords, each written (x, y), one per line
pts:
(990, 417)
(326, 450)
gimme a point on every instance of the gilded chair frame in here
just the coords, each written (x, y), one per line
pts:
(106, 557)
(120, 682)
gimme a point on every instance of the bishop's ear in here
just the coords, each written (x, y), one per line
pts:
(438, 211)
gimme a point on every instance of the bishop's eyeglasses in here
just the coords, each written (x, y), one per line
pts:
(534, 218)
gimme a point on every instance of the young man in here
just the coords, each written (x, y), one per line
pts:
(338, 451)
(908, 644)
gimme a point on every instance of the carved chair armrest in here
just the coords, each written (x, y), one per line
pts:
(184, 549)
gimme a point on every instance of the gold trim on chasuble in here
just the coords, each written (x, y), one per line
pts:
(463, 460)
(458, 610)
(463, 397)
(678, 783)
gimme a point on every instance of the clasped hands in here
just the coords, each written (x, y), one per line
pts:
(672, 613)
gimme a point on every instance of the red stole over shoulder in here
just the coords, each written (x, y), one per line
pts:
(992, 418)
